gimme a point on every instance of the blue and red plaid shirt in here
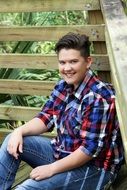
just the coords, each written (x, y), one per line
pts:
(85, 118)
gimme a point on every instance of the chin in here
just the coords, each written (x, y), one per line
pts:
(69, 82)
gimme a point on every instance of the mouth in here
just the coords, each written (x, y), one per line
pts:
(69, 75)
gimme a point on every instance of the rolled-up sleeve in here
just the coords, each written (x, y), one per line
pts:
(46, 114)
(48, 111)
(97, 124)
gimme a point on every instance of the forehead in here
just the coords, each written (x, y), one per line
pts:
(69, 53)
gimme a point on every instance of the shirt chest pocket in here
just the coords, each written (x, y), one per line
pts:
(73, 123)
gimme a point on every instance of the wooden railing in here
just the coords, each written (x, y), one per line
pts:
(116, 39)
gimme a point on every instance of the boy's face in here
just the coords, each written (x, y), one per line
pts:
(72, 66)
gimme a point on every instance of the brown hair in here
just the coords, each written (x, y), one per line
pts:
(74, 41)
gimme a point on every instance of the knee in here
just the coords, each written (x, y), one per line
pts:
(31, 184)
(5, 142)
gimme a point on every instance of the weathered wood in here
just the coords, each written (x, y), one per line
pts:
(121, 117)
(22, 174)
(116, 37)
(91, 5)
(28, 87)
(29, 61)
(3, 133)
(20, 113)
(51, 33)
(95, 17)
(47, 5)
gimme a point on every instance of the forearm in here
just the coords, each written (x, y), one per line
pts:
(32, 127)
(74, 160)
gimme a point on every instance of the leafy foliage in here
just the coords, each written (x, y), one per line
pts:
(32, 19)
(124, 2)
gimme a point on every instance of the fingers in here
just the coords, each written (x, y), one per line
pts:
(12, 150)
(34, 174)
(15, 144)
(20, 148)
(41, 172)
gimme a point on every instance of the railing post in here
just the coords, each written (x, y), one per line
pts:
(116, 38)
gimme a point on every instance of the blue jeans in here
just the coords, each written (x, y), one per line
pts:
(37, 151)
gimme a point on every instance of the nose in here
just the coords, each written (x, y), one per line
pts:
(67, 67)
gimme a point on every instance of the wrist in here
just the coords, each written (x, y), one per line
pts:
(53, 168)
(18, 130)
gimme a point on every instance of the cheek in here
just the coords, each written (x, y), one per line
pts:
(60, 70)
(81, 73)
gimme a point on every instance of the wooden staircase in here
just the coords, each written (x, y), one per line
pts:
(107, 29)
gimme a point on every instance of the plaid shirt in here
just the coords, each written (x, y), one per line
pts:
(85, 119)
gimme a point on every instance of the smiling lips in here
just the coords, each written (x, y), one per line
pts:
(69, 75)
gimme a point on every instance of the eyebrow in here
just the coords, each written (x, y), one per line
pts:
(75, 59)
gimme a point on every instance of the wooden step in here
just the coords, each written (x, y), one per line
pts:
(22, 174)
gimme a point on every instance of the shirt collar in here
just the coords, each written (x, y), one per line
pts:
(70, 88)
(77, 93)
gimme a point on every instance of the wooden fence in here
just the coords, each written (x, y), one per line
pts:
(109, 32)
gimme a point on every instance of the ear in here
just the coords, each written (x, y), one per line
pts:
(89, 62)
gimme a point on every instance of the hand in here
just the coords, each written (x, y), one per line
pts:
(42, 172)
(15, 143)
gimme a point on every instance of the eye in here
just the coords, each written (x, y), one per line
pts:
(61, 62)
(74, 61)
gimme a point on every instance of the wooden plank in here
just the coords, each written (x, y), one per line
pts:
(49, 33)
(32, 61)
(95, 17)
(122, 125)
(116, 35)
(28, 61)
(3, 133)
(47, 5)
(92, 5)
(20, 113)
(28, 87)
(22, 174)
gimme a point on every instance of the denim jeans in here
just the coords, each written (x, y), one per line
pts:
(37, 151)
